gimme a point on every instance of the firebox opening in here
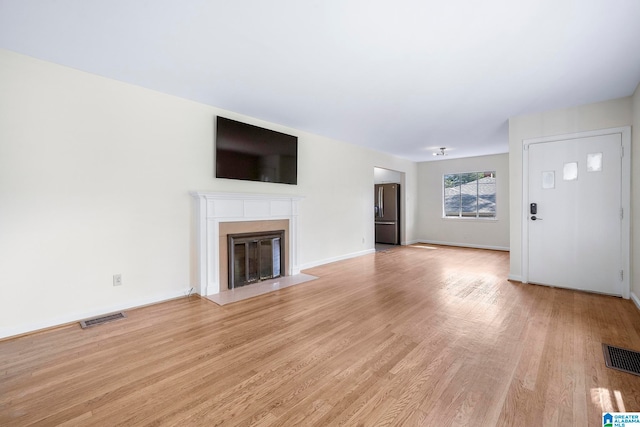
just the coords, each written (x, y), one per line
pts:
(254, 257)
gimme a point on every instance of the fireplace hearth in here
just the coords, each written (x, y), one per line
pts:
(254, 257)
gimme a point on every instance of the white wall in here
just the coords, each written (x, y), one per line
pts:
(602, 115)
(482, 233)
(386, 176)
(95, 178)
(635, 195)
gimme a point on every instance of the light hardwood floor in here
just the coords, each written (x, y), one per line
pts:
(411, 336)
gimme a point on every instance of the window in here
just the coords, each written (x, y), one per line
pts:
(470, 195)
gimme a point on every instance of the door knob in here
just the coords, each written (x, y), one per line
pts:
(535, 218)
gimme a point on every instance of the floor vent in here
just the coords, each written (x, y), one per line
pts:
(102, 319)
(621, 359)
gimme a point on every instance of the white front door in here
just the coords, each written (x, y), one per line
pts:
(574, 211)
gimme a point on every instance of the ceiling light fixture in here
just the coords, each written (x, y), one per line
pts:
(441, 153)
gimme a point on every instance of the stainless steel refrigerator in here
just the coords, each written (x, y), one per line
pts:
(387, 213)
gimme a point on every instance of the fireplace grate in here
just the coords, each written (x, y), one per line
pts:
(621, 359)
(102, 319)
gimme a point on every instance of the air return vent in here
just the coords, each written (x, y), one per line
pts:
(621, 359)
(102, 319)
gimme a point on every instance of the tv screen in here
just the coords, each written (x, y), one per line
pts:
(248, 152)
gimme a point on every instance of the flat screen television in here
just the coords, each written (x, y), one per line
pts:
(252, 153)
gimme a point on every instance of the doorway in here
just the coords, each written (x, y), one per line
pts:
(388, 208)
(576, 199)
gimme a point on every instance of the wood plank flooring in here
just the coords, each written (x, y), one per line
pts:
(412, 336)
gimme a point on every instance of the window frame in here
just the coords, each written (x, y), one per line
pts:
(492, 216)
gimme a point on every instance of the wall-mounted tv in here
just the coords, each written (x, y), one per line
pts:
(252, 153)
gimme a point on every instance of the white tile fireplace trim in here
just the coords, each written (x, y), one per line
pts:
(214, 208)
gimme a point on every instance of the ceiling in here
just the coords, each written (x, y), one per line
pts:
(403, 77)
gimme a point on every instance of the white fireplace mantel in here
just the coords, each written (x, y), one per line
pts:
(214, 208)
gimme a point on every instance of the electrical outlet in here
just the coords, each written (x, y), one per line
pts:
(117, 279)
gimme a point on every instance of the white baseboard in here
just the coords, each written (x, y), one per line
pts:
(334, 259)
(515, 278)
(635, 300)
(11, 331)
(463, 245)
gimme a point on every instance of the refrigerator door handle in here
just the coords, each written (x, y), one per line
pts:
(381, 200)
(385, 223)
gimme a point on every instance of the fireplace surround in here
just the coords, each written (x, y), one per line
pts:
(216, 210)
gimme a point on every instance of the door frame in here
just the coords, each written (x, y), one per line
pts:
(625, 198)
(402, 178)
